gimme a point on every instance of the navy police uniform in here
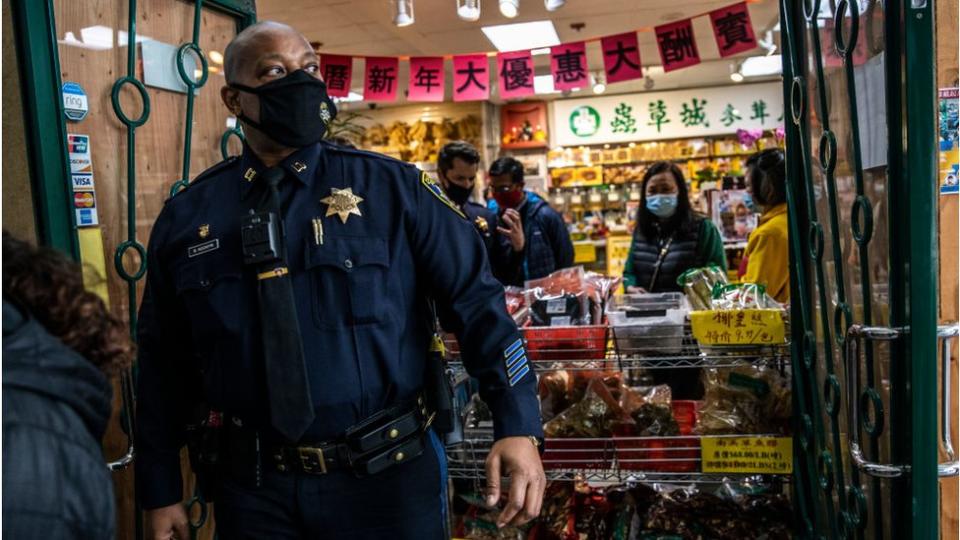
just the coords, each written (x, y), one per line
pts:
(360, 287)
(504, 261)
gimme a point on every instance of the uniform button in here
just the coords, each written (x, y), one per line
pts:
(282, 468)
(348, 264)
(278, 457)
(394, 433)
(204, 283)
(398, 457)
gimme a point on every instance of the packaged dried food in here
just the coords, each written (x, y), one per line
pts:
(598, 414)
(742, 296)
(698, 284)
(743, 400)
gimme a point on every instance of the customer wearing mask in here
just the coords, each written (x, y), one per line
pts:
(60, 346)
(669, 239)
(457, 167)
(545, 245)
(767, 256)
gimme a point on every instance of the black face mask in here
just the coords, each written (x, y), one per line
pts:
(294, 111)
(458, 193)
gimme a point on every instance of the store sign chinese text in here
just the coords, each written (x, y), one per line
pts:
(668, 115)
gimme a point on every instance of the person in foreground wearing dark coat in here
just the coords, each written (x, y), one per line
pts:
(60, 345)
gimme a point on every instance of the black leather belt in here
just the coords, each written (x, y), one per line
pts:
(390, 437)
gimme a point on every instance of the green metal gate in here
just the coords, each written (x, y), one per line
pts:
(862, 195)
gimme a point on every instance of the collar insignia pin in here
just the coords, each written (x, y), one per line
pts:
(250, 175)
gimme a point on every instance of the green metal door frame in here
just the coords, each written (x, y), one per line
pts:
(44, 122)
(911, 197)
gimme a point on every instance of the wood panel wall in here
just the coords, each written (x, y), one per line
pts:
(159, 142)
(947, 65)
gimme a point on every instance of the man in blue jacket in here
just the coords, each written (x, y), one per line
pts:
(547, 246)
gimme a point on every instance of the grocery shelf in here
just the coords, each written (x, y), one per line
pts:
(675, 459)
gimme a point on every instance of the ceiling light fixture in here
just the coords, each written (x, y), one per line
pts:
(509, 8)
(599, 85)
(553, 5)
(761, 66)
(522, 36)
(404, 13)
(216, 57)
(735, 74)
(468, 10)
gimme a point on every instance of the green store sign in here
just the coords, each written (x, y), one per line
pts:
(584, 121)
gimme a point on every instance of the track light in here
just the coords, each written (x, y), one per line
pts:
(509, 8)
(599, 85)
(736, 73)
(553, 5)
(404, 14)
(468, 10)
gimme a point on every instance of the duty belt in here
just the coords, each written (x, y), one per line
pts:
(387, 438)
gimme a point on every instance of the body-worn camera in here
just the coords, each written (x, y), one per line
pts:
(260, 234)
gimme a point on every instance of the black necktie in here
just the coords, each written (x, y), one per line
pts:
(291, 409)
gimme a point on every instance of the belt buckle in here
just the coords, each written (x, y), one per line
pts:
(312, 461)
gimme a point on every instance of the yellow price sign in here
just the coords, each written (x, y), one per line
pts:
(760, 455)
(584, 252)
(738, 327)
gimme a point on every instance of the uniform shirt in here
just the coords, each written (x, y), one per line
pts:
(504, 261)
(360, 301)
(768, 256)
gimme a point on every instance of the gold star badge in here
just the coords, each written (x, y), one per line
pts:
(481, 224)
(204, 231)
(342, 203)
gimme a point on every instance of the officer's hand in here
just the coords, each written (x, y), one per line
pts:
(519, 459)
(168, 523)
(513, 229)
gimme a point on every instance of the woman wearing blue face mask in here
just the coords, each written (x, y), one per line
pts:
(670, 237)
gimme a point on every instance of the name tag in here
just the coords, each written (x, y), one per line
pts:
(205, 247)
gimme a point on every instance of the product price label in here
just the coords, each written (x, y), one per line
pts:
(584, 252)
(738, 327)
(761, 455)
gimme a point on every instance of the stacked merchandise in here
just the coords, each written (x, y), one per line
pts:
(627, 459)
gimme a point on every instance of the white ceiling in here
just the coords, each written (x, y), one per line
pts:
(365, 28)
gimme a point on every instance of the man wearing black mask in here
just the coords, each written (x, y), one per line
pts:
(457, 167)
(284, 330)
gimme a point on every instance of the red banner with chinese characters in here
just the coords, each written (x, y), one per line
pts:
(515, 74)
(380, 81)
(426, 79)
(337, 71)
(471, 77)
(678, 47)
(568, 64)
(733, 30)
(621, 57)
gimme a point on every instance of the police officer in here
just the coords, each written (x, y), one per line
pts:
(457, 166)
(286, 301)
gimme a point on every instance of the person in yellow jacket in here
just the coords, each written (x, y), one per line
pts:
(767, 259)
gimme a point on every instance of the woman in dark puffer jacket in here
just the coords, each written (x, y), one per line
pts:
(60, 345)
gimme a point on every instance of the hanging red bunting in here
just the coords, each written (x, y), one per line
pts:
(621, 57)
(678, 47)
(733, 30)
(515, 74)
(568, 64)
(471, 78)
(380, 80)
(337, 72)
(426, 79)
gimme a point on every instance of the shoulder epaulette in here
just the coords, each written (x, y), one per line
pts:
(364, 153)
(207, 174)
